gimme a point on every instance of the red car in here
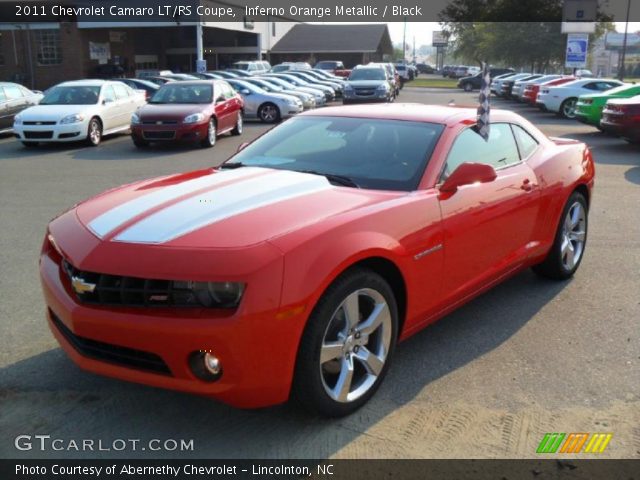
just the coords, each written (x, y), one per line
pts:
(531, 91)
(193, 111)
(296, 266)
(622, 117)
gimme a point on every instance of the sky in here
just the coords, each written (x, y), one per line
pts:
(422, 31)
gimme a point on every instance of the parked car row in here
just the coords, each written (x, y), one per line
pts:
(474, 82)
(608, 104)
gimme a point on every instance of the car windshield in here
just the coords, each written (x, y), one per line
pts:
(181, 93)
(77, 95)
(327, 65)
(241, 66)
(373, 153)
(239, 86)
(367, 74)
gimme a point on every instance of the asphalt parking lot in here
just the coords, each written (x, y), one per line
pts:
(527, 358)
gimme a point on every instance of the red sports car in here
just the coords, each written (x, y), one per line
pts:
(194, 111)
(621, 116)
(531, 91)
(296, 266)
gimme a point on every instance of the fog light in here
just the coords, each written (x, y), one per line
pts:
(212, 363)
(205, 365)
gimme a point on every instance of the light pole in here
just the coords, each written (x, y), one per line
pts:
(621, 71)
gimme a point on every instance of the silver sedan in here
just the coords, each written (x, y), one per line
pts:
(265, 106)
(308, 101)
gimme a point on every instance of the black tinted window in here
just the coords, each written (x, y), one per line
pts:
(378, 154)
(499, 151)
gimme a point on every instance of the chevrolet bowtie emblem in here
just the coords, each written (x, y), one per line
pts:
(80, 286)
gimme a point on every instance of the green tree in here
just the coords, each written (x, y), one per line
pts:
(517, 33)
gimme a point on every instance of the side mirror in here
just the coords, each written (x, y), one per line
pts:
(242, 146)
(466, 174)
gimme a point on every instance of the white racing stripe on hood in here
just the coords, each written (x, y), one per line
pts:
(118, 216)
(210, 207)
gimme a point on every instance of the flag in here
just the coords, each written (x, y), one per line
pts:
(483, 122)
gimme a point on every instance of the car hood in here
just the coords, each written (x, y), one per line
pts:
(212, 208)
(366, 83)
(165, 111)
(52, 112)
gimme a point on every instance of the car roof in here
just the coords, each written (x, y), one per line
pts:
(85, 83)
(416, 112)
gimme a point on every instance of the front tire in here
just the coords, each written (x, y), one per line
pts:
(269, 113)
(140, 143)
(347, 345)
(570, 241)
(210, 139)
(467, 87)
(94, 132)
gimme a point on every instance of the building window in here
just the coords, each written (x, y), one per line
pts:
(273, 29)
(48, 47)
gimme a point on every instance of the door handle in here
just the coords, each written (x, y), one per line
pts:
(526, 185)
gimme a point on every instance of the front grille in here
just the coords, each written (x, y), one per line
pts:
(39, 123)
(159, 135)
(43, 134)
(122, 356)
(160, 122)
(363, 91)
(116, 290)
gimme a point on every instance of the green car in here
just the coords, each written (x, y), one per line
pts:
(589, 107)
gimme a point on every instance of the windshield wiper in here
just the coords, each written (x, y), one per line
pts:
(232, 165)
(339, 179)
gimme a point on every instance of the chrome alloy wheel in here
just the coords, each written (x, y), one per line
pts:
(94, 132)
(355, 345)
(269, 113)
(211, 132)
(569, 108)
(573, 236)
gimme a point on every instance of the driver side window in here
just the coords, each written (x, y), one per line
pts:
(499, 151)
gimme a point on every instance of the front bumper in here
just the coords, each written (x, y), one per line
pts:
(70, 132)
(588, 114)
(257, 347)
(288, 110)
(352, 96)
(170, 132)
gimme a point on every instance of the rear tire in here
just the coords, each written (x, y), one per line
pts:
(342, 358)
(567, 250)
(568, 108)
(237, 130)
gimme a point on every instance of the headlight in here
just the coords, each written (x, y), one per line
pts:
(193, 118)
(135, 119)
(383, 88)
(348, 87)
(208, 294)
(75, 118)
(292, 101)
(17, 120)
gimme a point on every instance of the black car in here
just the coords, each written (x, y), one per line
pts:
(424, 68)
(446, 70)
(140, 84)
(475, 81)
(13, 99)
